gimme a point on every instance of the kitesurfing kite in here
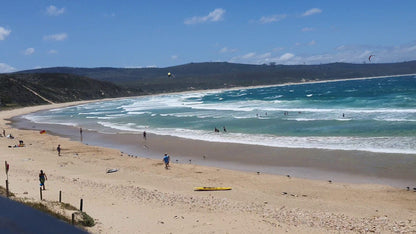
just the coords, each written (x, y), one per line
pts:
(171, 75)
(369, 57)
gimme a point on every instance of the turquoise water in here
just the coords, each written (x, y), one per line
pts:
(377, 115)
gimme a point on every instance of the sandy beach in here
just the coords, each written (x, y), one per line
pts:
(144, 197)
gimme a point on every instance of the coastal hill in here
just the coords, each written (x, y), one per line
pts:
(63, 84)
(211, 75)
(41, 88)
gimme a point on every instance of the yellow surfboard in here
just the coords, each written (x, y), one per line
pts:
(211, 188)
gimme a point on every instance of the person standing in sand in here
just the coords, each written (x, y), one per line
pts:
(144, 135)
(166, 160)
(59, 150)
(80, 133)
(42, 179)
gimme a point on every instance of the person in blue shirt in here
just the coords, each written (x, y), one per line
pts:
(42, 178)
(166, 160)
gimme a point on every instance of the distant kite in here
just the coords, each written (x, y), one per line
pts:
(369, 57)
(171, 75)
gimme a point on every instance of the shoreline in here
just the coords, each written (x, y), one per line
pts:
(359, 167)
(146, 198)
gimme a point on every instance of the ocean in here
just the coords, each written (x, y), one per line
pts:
(374, 114)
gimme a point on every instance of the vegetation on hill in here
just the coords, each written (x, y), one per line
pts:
(39, 88)
(224, 75)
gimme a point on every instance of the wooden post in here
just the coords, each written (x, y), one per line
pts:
(7, 188)
(40, 193)
(60, 196)
(73, 218)
(80, 205)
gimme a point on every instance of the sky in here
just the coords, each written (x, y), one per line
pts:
(137, 34)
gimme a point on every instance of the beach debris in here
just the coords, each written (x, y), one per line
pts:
(329, 181)
(211, 188)
(284, 193)
(112, 170)
(407, 188)
(414, 189)
(288, 176)
(258, 173)
(43, 132)
(190, 160)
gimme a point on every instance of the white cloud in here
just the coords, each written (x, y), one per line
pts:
(271, 19)
(344, 53)
(52, 52)
(29, 51)
(286, 56)
(312, 11)
(56, 37)
(213, 16)
(307, 29)
(227, 50)
(54, 11)
(174, 57)
(4, 33)
(110, 14)
(265, 55)
(249, 55)
(4, 68)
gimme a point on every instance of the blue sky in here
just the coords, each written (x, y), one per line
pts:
(100, 33)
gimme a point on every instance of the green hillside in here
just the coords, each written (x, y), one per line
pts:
(223, 75)
(21, 89)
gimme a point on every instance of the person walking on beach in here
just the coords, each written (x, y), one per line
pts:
(42, 179)
(144, 135)
(80, 133)
(59, 150)
(166, 160)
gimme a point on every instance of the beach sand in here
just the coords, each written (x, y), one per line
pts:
(144, 197)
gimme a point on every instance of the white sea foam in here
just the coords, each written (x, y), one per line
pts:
(403, 145)
(215, 108)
